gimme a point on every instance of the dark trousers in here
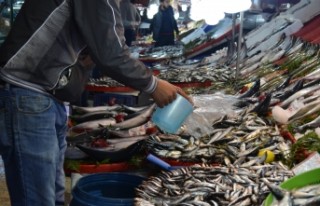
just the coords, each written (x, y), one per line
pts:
(130, 35)
(165, 39)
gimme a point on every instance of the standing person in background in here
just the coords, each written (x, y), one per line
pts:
(130, 20)
(2, 5)
(164, 24)
(40, 69)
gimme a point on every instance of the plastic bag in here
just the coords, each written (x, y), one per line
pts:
(209, 109)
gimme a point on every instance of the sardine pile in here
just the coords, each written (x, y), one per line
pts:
(234, 142)
(308, 195)
(206, 186)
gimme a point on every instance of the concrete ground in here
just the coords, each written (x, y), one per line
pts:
(4, 196)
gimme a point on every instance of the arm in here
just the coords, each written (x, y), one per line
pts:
(100, 24)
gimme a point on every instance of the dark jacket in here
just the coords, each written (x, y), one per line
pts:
(156, 24)
(48, 36)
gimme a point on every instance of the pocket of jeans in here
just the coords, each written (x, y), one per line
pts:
(33, 104)
(5, 140)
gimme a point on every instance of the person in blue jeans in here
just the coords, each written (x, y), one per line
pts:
(40, 70)
(164, 25)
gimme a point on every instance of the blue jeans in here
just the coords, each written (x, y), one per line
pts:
(32, 144)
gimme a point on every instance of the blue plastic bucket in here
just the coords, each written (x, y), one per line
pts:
(106, 189)
(171, 117)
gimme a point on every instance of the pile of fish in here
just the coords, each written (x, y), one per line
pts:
(104, 81)
(108, 132)
(117, 117)
(199, 74)
(232, 141)
(163, 52)
(211, 186)
(218, 75)
(301, 60)
(305, 196)
(222, 74)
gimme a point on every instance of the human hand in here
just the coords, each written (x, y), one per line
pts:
(165, 93)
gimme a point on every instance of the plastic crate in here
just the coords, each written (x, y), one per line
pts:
(101, 99)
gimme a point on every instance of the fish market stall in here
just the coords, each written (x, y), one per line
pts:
(244, 139)
(294, 86)
(218, 35)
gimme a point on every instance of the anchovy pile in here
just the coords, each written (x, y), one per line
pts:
(163, 52)
(206, 186)
(200, 74)
(308, 195)
(231, 142)
(105, 82)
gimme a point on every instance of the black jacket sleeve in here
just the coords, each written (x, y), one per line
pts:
(99, 22)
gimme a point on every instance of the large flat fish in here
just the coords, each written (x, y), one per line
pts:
(308, 111)
(313, 75)
(76, 109)
(120, 143)
(286, 94)
(299, 94)
(128, 109)
(136, 121)
(92, 125)
(93, 116)
(87, 136)
(144, 129)
(118, 149)
(313, 124)
(304, 110)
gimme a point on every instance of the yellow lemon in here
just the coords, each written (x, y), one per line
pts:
(249, 85)
(270, 155)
